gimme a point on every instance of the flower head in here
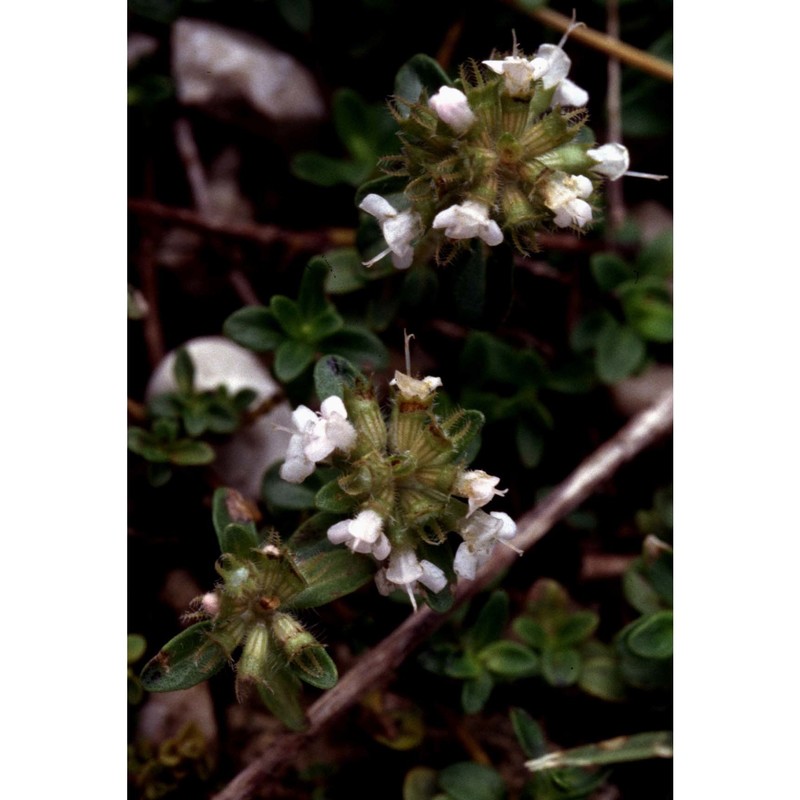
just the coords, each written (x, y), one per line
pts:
(399, 228)
(316, 437)
(364, 534)
(467, 220)
(478, 487)
(452, 107)
(563, 195)
(405, 571)
(481, 531)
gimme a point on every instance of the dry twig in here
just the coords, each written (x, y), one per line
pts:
(611, 46)
(376, 667)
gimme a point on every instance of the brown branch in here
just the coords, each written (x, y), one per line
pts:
(609, 45)
(249, 231)
(376, 666)
(616, 200)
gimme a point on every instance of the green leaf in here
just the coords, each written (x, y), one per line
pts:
(188, 453)
(656, 256)
(143, 444)
(323, 170)
(136, 647)
(189, 658)
(441, 602)
(609, 270)
(311, 300)
(254, 327)
(323, 325)
(419, 78)
(359, 346)
(278, 493)
(651, 636)
(315, 667)
(530, 631)
(292, 358)
(650, 317)
(510, 659)
(490, 623)
(194, 418)
(638, 590)
(331, 573)
(296, 13)
(183, 370)
(620, 352)
(280, 693)
(468, 781)
(561, 667)
(352, 119)
(332, 374)
(528, 732)
(585, 334)
(345, 273)
(288, 315)
(475, 692)
(158, 474)
(462, 666)
(332, 498)
(576, 628)
(600, 677)
(637, 747)
(530, 444)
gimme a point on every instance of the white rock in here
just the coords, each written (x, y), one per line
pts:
(213, 66)
(242, 461)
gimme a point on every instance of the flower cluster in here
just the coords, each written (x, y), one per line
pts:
(403, 483)
(503, 153)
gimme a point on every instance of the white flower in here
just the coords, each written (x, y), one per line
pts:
(317, 436)
(517, 74)
(551, 64)
(452, 107)
(569, 94)
(612, 160)
(364, 534)
(481, 532)
(405, 571)
(414, 389)
(478, 487)
(399, 228)
(467, 220)
(563, 195)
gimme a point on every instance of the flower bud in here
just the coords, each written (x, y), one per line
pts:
(452, 107)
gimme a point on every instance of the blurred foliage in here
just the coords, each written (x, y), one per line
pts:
(180, 420)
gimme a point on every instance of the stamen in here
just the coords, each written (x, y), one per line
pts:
(377, 257)
(510, 546)
(515, 48)
(407, 337)
(648, 175)
(411, 596)
(572, 26)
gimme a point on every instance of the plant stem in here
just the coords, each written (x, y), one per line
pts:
(375, 667)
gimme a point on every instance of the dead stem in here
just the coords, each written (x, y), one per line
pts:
(375, 666)
(249, 231)
(627, 54)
